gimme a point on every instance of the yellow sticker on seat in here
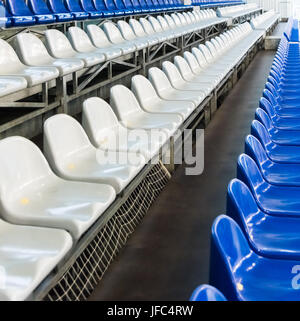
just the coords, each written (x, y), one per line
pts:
(24, 201)
(71, 166)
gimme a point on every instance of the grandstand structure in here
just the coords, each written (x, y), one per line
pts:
(77, 75)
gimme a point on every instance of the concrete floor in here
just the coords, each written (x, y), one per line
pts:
(168, 255)
(279, 30)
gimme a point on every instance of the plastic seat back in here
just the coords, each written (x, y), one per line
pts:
(228, 248)
(21, 164)
(255, 150)
(213, 51)
(123, 102)
(173, 73)
(155, 24)
(164, 24)
(132, 5)
(170, 22)
(119, 4)
(207, 293)
(192, 17)
(267, 107)
(73, 6)
(126, 30)
(9, 62)
(38, 7)
(113, 33)
(31, 49)
(137, 28)
(263, 118)
(58, 44)
(260, 132)
(80, 40)
(176, 20)
(18, 8)
(147, 26)
(273, 91)
(57, 6)
(143, 90)
(159, 80)
(181, 18)
(64, 137)
(97, 36)
(206, 53)
(200, 57)
(98, 118)
(184, 68)
(110, 5)
(192, 61)
(100, 5)
(241, 205)
(249, 173)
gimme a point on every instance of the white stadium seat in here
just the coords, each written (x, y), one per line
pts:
(99, 40)
(132, 116)
(10, 84)
(151, 102)
(11, 65)
(150, 31)
(166, 91)
(114, 35)
(140, 32)
(104, 129)
(128, 34)
(28, 254)
(73, 157)
(33, 52)
(178, 82)
(59, 46)
(34, 195)
(82, 43)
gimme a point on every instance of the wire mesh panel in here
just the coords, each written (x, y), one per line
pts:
(89, 267)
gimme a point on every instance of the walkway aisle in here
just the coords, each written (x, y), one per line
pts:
(168, 255)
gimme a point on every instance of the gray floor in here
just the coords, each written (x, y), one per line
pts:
(280, 28)
(168, 255)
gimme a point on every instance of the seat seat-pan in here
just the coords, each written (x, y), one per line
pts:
(28, 254)
(9, 84)
(72, 206)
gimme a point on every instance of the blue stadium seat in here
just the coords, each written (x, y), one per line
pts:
(283, 105)
(88, 6)
(207, 292)
(269, 236)
(286, 123)
(76, 9)
(111, 7)
(42, 13)
(283, 90)
(101, 7)
(145, 7)
(274, 200)
(278, 136)
(58, 8)
(157, 5)
(149, 5)
(275, 173)
(285, 154)
(120, 6)
(5, 17)
(133, 5)
(241, 274)
(21, 15)
(39, 7)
